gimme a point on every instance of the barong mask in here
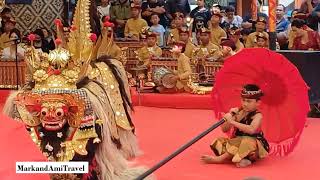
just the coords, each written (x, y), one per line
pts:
(57, 113)
(52, 111)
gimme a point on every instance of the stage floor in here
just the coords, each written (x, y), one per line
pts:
(161, 131)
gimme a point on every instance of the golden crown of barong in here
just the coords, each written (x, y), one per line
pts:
(65, 65)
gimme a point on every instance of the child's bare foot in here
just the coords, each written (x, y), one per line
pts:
(243, 163)
(207, 159)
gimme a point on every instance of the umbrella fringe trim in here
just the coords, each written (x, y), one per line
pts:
(285, 147)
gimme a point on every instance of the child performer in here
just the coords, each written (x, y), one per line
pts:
(262, 41)
(247, 142)
(183, 72)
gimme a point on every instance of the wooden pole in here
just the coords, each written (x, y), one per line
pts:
(254, 9)
(239, 7)
(180, 150)
(272, 24)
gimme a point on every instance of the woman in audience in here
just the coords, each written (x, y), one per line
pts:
(9, 24)
(304, 40)
(38, 43)
(47, 41)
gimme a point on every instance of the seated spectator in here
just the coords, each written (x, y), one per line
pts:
(281, 22)
(182, 74)
(244, 35)
(9, 53)
(151, 7)
(281, 26)
(120, 12)
(223, 13)
(228, 48)
(135, 24)
(158, 29)
(231, 18)
(174, 6)
(290, 33)
(104, 8)
(178, 22)
(287, 32)
(260, 28)
(200, 16)
(217, 33)
(215, 8)
(47, 41)
(261, 41)
(6, 14)
(9, 25)
(234, 34)
(307, 7)
(39, 42)
(208, 49)
(304, 40)
(150, 50)
(205, 36)
(250, 23)
(184, 36)
(293, 12)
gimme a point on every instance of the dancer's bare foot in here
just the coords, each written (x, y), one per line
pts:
(243, 163)
(208, 159)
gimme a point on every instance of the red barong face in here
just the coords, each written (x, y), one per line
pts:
(51, 111)
(52, 115)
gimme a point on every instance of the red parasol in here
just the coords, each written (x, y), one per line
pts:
(285, 102)
(17, 146)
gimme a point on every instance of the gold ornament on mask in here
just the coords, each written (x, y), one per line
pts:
(64, 66)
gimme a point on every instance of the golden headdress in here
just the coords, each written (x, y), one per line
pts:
(64, 66)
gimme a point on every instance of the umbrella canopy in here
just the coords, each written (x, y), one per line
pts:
(17, 146)
(285, 102)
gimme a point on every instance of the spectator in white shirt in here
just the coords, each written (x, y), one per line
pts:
(215, 8)
(231, 19)
(104, 8)
(158, 29)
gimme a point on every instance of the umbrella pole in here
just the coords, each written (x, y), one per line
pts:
(180, 150)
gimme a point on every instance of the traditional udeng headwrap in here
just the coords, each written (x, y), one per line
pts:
(251, 94)
(178, 14)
